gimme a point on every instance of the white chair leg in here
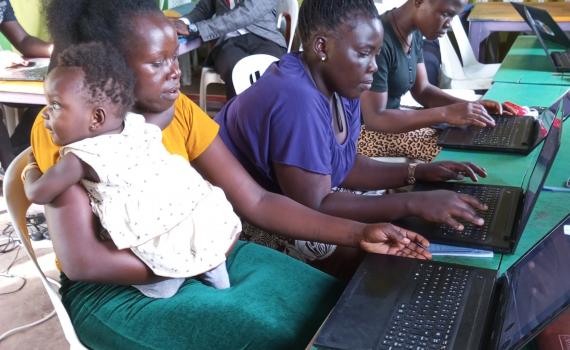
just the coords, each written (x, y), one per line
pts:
(186, 69)
(203, 88)
(12, 118)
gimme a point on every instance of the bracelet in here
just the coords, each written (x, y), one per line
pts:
(411, 173)
(28, 167)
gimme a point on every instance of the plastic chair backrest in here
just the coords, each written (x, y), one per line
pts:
(18, 205)
(288, 10)
(249, 69)
(465, 49)
(450, 62)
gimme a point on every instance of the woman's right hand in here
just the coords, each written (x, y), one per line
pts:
(9, 59)
(181, 27)
(447, 207)
(393, 240)
(468, 113)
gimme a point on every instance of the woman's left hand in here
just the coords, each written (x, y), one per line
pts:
(447, 170)
(494, 107)
(385, 238)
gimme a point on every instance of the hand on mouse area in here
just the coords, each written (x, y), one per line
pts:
(9, 59)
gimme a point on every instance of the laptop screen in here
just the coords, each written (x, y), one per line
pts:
(544, 26)
(538, 288)
(36, 71)
(540, 170)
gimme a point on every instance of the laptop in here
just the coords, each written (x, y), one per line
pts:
(508, 207)
(36, 71)
(545, 28)
(399, 303)
(510, 135)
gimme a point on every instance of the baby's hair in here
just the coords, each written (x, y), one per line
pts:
(329, 14)
(107, 75)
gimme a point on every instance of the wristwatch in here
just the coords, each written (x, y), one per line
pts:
(192, 28)
(411, 173)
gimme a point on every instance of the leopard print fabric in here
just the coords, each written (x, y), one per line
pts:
(301, 250)
(419, 144)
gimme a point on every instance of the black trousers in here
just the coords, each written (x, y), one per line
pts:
(230, 51)
(6, 153)
(20, 140)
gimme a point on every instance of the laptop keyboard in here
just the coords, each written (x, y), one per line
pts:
(486, 195)
(502, 134)
(562, 59)
(428, 320)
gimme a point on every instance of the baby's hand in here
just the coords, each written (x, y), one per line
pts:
(31, 158)
(9, 59)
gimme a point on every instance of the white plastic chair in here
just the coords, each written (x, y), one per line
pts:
(387, 5)
(249, 69)
(472, 74)
(208, 76)
(288, 10)
(18, 204)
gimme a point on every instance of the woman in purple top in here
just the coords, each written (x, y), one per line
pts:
(296, 129)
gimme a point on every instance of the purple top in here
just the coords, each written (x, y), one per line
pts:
(283, 118)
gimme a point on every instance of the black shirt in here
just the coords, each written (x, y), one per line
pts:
(396, 69)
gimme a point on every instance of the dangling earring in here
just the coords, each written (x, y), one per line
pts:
(323, 58)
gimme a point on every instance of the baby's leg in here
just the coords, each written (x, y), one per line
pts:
(162, 289)
(217, 277)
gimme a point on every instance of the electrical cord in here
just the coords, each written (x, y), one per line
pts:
(26, 326)
(6, 274)
(11, 244)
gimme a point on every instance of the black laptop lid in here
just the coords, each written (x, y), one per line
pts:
(540, 171)
(542, 24)
(537, 288)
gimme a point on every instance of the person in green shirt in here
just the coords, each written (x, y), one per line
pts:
(391, 131)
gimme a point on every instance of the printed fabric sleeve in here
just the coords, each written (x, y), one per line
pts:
(7, 12)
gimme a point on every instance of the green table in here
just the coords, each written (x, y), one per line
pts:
(512, 170)
(509, 169)
(526, 63)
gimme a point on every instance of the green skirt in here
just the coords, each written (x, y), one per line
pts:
(275, 302)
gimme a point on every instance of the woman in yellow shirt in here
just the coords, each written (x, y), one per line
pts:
(274, 302)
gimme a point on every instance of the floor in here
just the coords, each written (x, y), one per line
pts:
(22, 297)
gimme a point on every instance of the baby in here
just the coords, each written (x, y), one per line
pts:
(147, 199)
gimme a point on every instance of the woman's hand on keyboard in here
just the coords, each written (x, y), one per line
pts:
(446, 207)
(468, 113)
(447, 170)
(9, 59)
(389, 239)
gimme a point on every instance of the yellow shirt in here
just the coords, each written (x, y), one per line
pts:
(189, 134)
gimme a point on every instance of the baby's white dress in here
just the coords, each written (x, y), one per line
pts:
(155, 203)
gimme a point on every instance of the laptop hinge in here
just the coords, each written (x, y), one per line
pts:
(517, 230)
(497, 314)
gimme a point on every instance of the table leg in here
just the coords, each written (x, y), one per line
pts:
(478, 32)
